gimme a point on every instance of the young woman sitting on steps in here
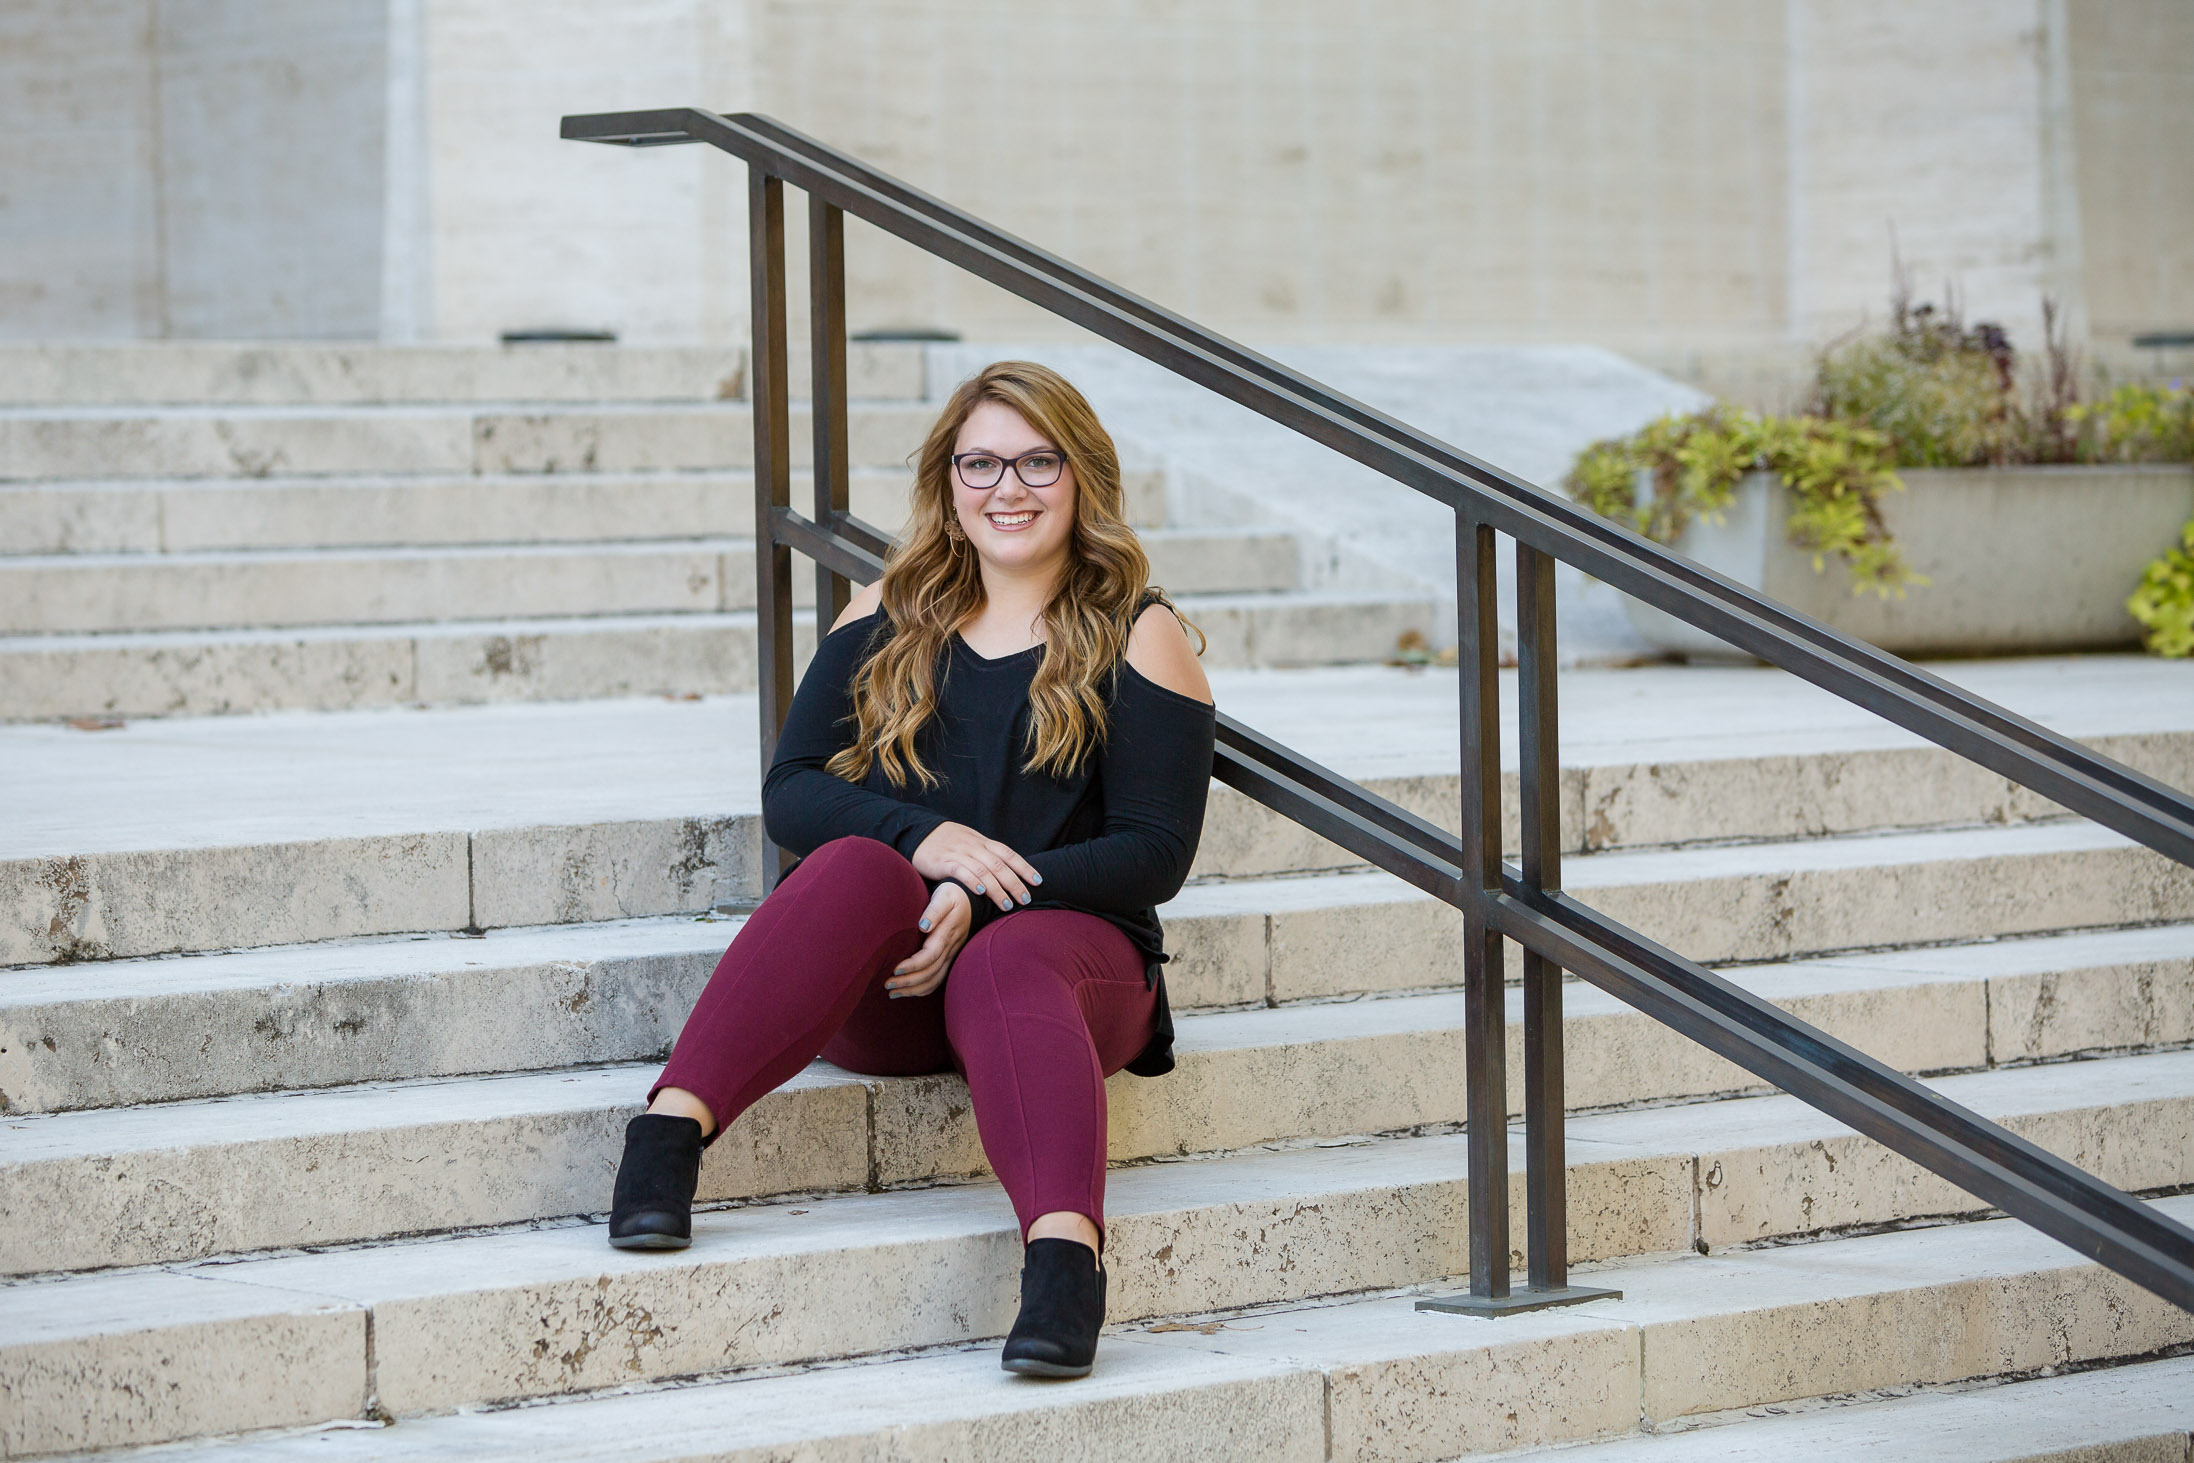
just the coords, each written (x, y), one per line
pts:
(995, 769)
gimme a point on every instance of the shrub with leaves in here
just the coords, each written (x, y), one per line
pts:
(2136, 424)
(2164, 603)
(1836, 471)
(1940, 393)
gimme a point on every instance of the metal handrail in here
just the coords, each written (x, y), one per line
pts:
(1465, 870)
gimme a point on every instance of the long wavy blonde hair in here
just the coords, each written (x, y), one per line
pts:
(933, 585)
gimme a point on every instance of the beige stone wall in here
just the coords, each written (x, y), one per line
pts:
(1709, 185)
(191, 167)
(1380, 170)
(2132, 64)
(526, 230)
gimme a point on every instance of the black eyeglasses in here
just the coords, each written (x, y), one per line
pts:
(1038, 469)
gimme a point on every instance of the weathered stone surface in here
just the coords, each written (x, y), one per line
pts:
(566, 659)
(372, 1011)
(101, 906)
(111, 1362)
(551, 875)
(280, 372)
(532, 1313)
(1929, 1305)
(1410, 1386)
(2123, 1414)
(1313, 628)
(1144, 1401)
(186, 443)
(94, 592)
(1814, 1174)
(1768, 901)
(151, 1185)
(203, 674)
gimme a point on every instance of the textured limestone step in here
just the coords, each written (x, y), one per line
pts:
(1236, 942)
(92, 1360)
(196, 514)
(1450, 1389)
(308, 1016)
(2131, 1413)
(509, 437)
(454, 663)
(1370, 1380)
(348, 373)
(365, 668)
(78, 593)
(1330, 934)
(160, 1183)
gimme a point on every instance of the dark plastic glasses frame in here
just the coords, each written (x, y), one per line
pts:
(959, 460)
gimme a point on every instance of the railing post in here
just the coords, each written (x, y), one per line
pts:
(827, 356)
(1485, 999)
(1538, 772)
(767, 388)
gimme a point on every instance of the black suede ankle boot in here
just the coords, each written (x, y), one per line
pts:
(1062, 1307)
(652, 1206)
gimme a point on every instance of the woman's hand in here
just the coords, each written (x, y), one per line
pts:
(947, 920)
(986, 866)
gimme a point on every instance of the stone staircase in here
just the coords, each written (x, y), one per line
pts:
(192, 530)
(315, 1069)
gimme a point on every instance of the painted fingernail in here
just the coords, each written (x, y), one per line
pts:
(925, 923)
(980, 889)
(1036, 878)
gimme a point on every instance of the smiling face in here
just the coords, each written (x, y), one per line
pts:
(1012, 525)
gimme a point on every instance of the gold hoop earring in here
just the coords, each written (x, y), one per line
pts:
(953, 530)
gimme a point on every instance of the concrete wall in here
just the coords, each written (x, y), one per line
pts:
(1710, 185)
(521, 229)
(1376, 170)
(191, 167)
(79, 216)
(2132, 70)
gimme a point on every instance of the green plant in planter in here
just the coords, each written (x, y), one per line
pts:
(2164, 603)
(1940, 392)
(1837, 472)
(2136, 424)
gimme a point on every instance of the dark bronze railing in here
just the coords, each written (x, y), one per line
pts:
(1498, 901)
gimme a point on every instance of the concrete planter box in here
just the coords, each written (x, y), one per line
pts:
(2022, 560)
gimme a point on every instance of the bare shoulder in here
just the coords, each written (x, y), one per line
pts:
(1158, 647)
(864, 603)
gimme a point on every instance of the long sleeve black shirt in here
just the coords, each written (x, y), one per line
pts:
(1114, 840)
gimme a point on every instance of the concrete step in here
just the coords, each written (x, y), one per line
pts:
(1334, 934)
(392, 1010)
(1408, 1388)
(159, 1183)
(454, 663)
(79, 593)
(196, 514)
(543, 1313)
(352, 373)
(364, 668)
(109, 443)
(264, 373)
(1658, 755)
(1232, 942)
(2133, 1413)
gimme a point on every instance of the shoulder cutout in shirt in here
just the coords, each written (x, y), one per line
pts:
(1158, 649)
(864, 602)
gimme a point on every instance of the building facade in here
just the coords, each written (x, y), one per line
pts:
(1710, 185)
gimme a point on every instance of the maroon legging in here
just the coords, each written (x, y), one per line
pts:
(1041, 1006)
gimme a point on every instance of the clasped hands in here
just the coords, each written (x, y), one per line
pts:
(983, 866)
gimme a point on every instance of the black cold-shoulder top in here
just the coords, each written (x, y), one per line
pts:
(1114, 840)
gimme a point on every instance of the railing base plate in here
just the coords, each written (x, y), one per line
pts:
(1516, 1302)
